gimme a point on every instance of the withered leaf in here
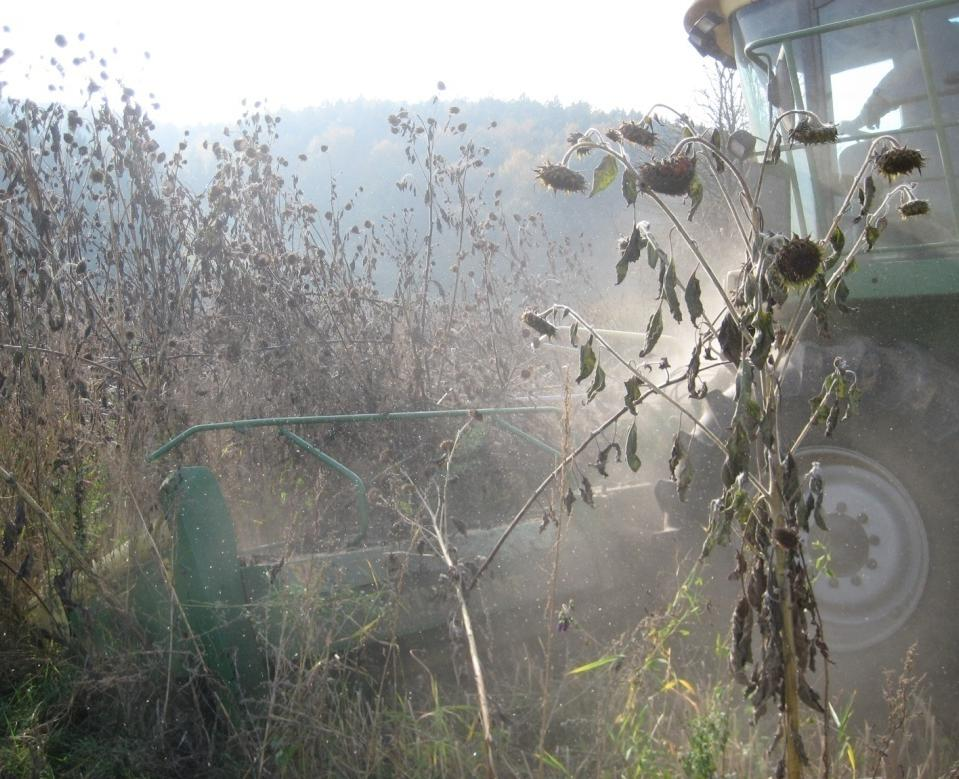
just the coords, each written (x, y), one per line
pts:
(730, 340)
(695, 196)
(586, 492)
(598, 385)
(694, 304)
(632, 444)
(630, 187)
(692, 373)
(587, 360)
(603, 457)
(668, 291)
(654, 329)
(604, 174)
(634, 395)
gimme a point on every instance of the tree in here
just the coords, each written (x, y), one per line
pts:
(722, 99)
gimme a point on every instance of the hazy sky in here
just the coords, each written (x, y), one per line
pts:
(204, 57)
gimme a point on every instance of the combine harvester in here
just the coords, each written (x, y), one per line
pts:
(872, 67)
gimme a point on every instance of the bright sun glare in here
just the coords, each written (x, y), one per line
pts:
(201, 59)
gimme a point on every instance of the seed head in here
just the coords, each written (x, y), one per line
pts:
(537, 323)
(560, 178)
(574, 138)
(671, 176)
(914, 208)
(898, 162)
(799, 260)
(637, 133)
(810, 132)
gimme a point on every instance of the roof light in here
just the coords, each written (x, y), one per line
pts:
(741, 144)
(703, 38)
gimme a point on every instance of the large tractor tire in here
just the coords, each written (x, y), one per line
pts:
(892, 510)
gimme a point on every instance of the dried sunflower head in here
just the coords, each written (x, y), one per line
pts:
(914, 208)
(537, 323)
(614, 135)
(898, 162)
(809, 132)
(671, 176)
(560, 178)
(637, 133)
(573, 138)
(799, 260)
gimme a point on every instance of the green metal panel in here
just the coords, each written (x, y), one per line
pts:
(206, 577)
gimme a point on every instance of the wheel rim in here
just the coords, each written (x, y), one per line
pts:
(877, 544)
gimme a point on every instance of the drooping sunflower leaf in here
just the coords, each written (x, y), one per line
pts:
(694, 303)
(598, 385)
(604, 175)
(654, 329)
(654, 254)
(568, 500)
(630, 251)
(630, 187)
(837, 240)
(815, 497)
(730, 339)
(586, 493)
(587, 360)
(632, 443)
(716, 139)
(776, 154)
(874, 231)
(634, 395)
(573, 331)
(737, 457)
(668, 291)
(603, 458)
(763, 338)
(680, 468)
(867, 193)
(695, 196)
(692, 373)
(841, 295)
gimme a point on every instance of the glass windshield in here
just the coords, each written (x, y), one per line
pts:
(872, 67)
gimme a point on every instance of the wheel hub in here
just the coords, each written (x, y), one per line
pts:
(874, 558)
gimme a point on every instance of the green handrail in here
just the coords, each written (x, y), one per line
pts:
(878, 16)
(362, 501)
(362, 504)
(326, 419)
(509, 427)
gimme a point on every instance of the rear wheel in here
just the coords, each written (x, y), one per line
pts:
(887, 562)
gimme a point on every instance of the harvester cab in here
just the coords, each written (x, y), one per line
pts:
(870, 68)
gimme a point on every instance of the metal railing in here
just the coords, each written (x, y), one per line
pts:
(362, 501)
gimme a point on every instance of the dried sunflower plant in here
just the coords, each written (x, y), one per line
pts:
(784, 281)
